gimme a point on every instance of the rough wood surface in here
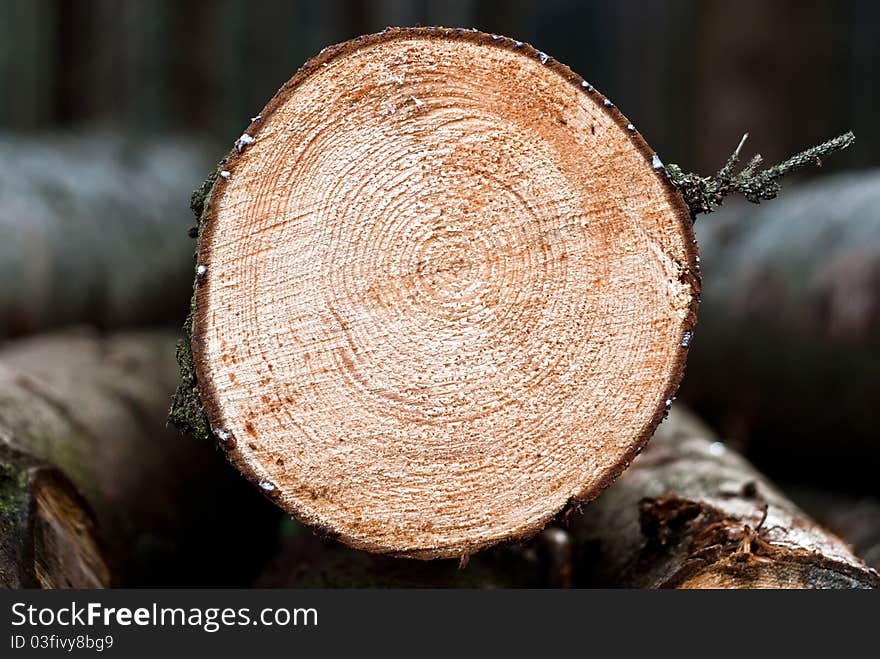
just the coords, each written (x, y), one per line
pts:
(94, 229)
(444, 289)
(95, 409)
(855, 519)
(786, 356)
(691, 513)
(48, 537)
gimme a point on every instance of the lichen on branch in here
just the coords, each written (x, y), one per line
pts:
(703, 194)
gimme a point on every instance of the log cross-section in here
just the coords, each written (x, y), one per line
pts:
(444, 288)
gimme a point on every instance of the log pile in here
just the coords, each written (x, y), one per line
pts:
(435, 315)
(689, 513)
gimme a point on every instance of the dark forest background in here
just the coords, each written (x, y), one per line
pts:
(692, 75)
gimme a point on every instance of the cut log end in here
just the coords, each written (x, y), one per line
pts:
(67, 551)
(443, 290)
(49, 536)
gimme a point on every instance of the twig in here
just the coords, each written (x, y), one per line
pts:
(704, 194)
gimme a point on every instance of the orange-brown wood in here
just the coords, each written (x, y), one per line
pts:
(445, 289)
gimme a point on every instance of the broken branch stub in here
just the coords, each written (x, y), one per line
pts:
(704, 194)
(442, 292)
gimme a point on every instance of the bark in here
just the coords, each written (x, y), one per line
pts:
(95, 230)
(691, 513)
(95, 410)
(426, 320)
(786, 355)
(855, 519)
(859, 525)
(48, 537)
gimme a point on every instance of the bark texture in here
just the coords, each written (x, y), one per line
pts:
(789, 323)
(691, 513)
(95, 409)
(452, 297)
(95, 229)
(855, 519)
(48, 537)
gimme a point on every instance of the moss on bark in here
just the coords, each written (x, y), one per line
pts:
(187, 413)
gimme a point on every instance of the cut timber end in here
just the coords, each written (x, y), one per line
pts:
(48, 535)
(446, 293)
(67, 552)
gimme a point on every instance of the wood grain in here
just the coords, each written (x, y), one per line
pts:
(444, 290)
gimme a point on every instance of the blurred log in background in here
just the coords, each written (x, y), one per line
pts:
(786, 360)
(169, 511)
(94, 229)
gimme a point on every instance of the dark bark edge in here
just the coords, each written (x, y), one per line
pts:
(187, 413)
